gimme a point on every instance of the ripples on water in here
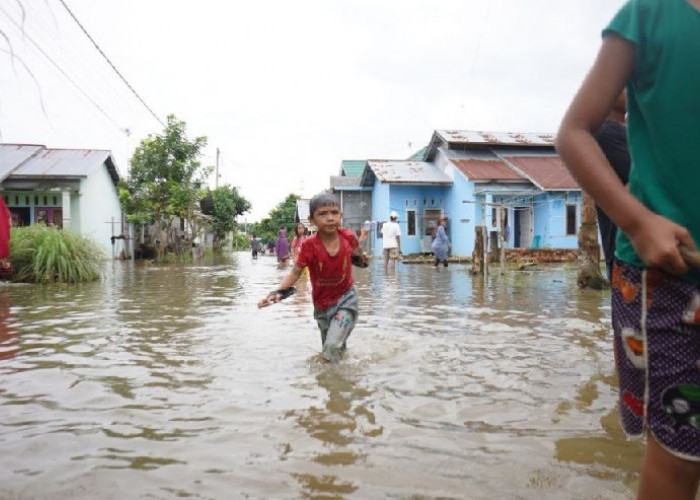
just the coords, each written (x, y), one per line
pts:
(164, 382)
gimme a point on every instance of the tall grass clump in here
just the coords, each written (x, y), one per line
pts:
(41, 254)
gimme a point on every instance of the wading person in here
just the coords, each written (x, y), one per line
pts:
(329, 254)
(441, 243)
(391, 241)
(299, 237)
(653, 48)
(282, 248)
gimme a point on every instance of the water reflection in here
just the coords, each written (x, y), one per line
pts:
(342, 418)
(8, 335)
(167, 381)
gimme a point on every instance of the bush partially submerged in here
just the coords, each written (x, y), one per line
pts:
(41, 254)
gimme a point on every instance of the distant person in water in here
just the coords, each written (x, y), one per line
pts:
(441, 243)
(255, 246)
(299, 237)
(282, 248)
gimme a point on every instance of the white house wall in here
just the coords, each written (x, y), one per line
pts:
(98, 205)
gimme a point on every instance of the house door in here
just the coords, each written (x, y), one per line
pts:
(50, 216)
(522, 232)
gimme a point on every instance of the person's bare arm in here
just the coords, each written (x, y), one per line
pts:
(654, 237)
(287, 282)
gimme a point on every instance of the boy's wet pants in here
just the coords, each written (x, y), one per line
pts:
(336, 323)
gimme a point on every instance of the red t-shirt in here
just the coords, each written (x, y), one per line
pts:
(331, 276)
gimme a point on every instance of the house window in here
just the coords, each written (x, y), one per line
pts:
(571, 220)
(410, 222)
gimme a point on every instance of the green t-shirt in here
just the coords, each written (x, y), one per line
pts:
(663, 105)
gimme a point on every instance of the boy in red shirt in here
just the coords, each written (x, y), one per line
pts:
(329, 255)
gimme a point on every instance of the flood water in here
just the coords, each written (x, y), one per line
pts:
(168, 382)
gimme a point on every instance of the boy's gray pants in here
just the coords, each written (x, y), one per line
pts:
(336, 323)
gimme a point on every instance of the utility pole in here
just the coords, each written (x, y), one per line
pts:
(216, 180)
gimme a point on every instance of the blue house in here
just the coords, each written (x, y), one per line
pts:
(416, 190)
(510, 183)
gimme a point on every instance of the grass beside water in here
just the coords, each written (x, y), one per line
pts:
(41, 254)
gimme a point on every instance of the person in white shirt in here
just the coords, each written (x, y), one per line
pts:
(391, 237)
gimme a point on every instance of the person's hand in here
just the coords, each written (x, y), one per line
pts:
(269, 299)
(359, 260)
(657, 243)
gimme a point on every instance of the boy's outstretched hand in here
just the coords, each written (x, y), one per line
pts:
(275, 296)
(359, 260)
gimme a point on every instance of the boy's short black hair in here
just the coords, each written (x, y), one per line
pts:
(322, 200)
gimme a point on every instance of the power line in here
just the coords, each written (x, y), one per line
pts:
(58, 67)
(70, 12)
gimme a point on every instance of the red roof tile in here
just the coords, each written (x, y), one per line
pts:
(486, 170)
(548, 172)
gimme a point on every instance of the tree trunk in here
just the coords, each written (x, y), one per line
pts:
(589, 275)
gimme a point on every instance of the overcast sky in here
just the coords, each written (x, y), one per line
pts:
(287, 89)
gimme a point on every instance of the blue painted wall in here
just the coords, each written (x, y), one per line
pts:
(463, 209)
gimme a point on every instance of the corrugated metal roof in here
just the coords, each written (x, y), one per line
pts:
(408, 172)
(62, 162)
(496, 138)
(341, 181)
(13, 155)
(55, 163)
(352, 168)
(546, 172)
(486, 170)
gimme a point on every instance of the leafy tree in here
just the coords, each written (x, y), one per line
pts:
(223, 204)
(164, 181)
(282, 216)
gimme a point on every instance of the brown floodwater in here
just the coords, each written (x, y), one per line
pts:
(168, 382)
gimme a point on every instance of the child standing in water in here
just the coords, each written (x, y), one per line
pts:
(299, 237)
(328, 255)
(653, 48)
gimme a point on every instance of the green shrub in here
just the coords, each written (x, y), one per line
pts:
(41, 254)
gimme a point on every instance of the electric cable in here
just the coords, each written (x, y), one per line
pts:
(70, 12)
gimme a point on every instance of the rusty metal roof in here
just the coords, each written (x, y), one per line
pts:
(487, 170)
(53, 163)
(546, 172)
(408, 172)
(495, 138)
